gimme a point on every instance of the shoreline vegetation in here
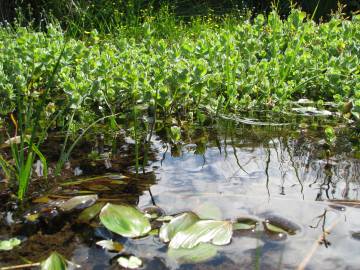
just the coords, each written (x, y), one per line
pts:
(163, 67)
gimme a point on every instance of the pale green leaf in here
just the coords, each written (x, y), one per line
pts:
(54, 262)
(242, 226)
(110, 245)
(9, 244)
(203, 231)
(131, 263)
(178, 223)
(273, 228)
(91, 212)
(124, 220)
(78, 202)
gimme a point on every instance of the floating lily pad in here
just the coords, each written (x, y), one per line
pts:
(9, 244)
(79, 202)
(203, 231)
(110, 245)
(124, 220)
(177, 224)
(91, 212)
(200, 253)
(131, 263)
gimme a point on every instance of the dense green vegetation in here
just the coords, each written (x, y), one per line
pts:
(229, 64)
(164, 67)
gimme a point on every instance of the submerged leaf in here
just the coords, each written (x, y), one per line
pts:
(79, 202)
(91, 212)
(177, 224)
(110, 245)
(200, 253)
(124, 220)
(203, 231)
(9, 244)
(131, 263)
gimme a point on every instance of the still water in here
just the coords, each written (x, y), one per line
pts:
(231, 170)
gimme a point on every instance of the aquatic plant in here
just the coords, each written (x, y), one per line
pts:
(222, 65)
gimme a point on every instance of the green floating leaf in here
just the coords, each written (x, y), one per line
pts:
(201, 253)
(57, 262)
(79, 202)
(124, 220)
(131, 263)
(203, 231)
(9, 244)
(244, 224)
(110, 245)
(273, 228)
(177, 224)
(91, 212)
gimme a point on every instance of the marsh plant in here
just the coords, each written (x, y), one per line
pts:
(209, 64)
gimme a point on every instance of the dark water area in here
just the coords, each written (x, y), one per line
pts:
(229, 169)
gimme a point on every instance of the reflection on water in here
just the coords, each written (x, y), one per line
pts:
(283, 165)
(253, 171)
(285, 173)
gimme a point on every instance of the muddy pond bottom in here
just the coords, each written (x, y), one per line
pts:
(229, 171)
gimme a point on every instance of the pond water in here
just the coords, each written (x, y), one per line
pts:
(226, 170)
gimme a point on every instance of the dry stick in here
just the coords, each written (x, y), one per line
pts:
(316, 244)
(20, 266)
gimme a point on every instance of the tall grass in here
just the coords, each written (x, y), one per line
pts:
(27, 125)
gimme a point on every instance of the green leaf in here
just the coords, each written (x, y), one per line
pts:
(124, 220)
(201, 253)
(110, 245)
(9, 244)
(178, 223)
(175, 133)
(131, 263)
(165, 218)
(242, 226)
(55, 262)
(79, 201)
(203, 231)
(91, 212)
(274, 229)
